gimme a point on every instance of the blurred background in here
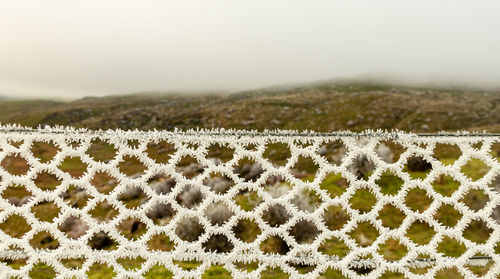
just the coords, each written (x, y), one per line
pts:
(325, 65)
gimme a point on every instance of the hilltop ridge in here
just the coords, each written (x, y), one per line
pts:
(320, 106)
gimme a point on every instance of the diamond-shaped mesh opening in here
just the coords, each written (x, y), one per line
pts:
(102, 241)
(160, 151)
(364, 234)
(45, 211)
(391, 216)
(477, 145)
(450, 247)
(189, 229)
(218, 243)
(392, 274)
(15, 226)
(133, 197)
(276, 215)
(133, 143)
(161, 213)
(75, 197)
(445, 185)
(74, 143)
(307, 200)
(362, 167)
(334, 246)
(447, 153)
(162, 184)
(246, 230)
(104, 182)
(418, 167)
(15, 164)
(335, 217)
(132, 228)
(417, 199)
(420, 232)
(392, 250)
(389, 151)
(302, 268)
(451, 272)
(248, 200)
(477, 231)
(160, 242)
(305, 168)
(42, 269)
(103, 212)
(248, 169)
(194, 145)
(131, 166)
(274, 245)
(480, 270)
(44, 240)
(219, 183)
(16, 143)
(220, 153)
(389, 183)
(332, 273)
(130, 263)
(495, 150)
(247, 266)
(363, 200)
(335, 184)
(73, 166)
(216, 271)
(189, 167)
(304, 231)
(250, 146)
(47, 181)
(74, 227)
(17, 195)
(277, 153)
(44, 151)
(423, 268)
(190, 197)
(218, 213)
(475, 169)
(102, 270)
(447, 215)
(274, 273)
(187, 265)
(277, 186)
(101, 151)
(495, 215)
(475, 199)
(364, 265)
(73, 263)
(333, 151)
(18, 262)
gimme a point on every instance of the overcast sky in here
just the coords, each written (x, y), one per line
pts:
(96, 47)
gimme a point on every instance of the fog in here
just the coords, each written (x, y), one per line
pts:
(95, 47)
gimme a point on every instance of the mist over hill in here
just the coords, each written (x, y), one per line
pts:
(321, 106)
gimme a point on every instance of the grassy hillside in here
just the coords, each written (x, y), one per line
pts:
(320, 107)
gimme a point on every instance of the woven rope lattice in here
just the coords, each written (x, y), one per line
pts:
(196, 144)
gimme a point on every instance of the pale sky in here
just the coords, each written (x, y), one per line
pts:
(61, 48)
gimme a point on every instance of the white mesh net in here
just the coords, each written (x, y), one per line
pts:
(336, 203)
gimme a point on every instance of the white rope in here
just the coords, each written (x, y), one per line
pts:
(415, 145)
